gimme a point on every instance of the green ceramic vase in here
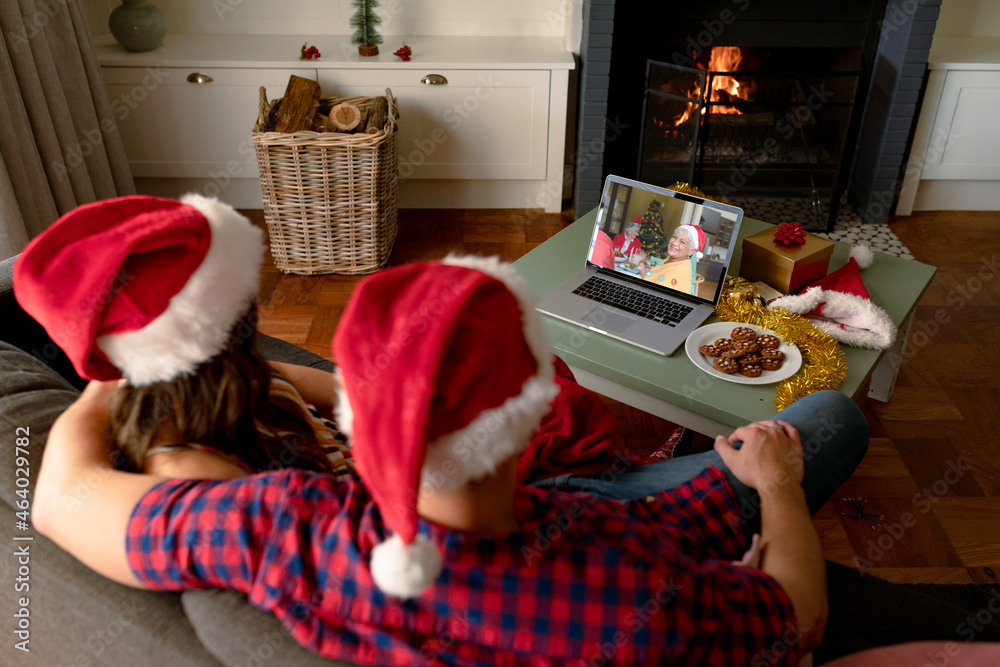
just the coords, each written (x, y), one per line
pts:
(138, 25)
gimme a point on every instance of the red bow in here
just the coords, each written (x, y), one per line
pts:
(790, 234)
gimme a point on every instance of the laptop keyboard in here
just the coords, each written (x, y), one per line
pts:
(633, 301)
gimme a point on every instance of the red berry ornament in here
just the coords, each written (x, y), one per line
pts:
(403, 52)
(310, 53)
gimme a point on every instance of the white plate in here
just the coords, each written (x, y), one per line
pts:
(710, 333)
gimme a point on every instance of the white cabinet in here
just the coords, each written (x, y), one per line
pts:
(492, 136)
(954, 160)
(470, 124)
(966, 124)
(190, 122)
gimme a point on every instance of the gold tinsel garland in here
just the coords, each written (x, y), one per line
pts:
(680, 186)
(823, 363)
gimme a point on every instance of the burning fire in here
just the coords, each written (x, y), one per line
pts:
(724, 88)
(724, 59)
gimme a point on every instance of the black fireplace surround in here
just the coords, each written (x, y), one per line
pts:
(790, 117)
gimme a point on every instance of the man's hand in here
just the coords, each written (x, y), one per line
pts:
(770, 461)
(771, 455)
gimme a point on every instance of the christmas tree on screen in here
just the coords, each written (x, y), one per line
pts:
(654, 243)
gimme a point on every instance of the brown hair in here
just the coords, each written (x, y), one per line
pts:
(221, 406)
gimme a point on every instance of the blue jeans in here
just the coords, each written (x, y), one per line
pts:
(834, 436)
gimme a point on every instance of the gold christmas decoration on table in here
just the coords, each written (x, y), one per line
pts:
(740, 289)
(823, 362)
(691, 190)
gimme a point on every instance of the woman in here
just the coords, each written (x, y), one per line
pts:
(160, 294)
(627, 244)
(678, 270)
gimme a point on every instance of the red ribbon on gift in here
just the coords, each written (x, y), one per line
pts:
(789, 234)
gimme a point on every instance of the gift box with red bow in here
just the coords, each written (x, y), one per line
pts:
(787, 258)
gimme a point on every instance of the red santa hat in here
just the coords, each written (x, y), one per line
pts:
(141, 287)
(697, 236)
(840, 305)
(443, 373)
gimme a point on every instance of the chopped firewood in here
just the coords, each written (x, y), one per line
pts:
(298, 105)
(272, 117)
(376, 115)
(345, 116)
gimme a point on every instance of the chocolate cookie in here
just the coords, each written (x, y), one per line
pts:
(743, 333)
(770, 364)
(723, 344)
(752, 358)
(748, 346)
(726, 365)
(772, 354)
(768, 342)
(710, 350)
(751, 370)
(734, 352)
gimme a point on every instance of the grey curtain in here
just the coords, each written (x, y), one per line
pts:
(59, 146)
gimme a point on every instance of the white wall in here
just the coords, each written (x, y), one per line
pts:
(519, 18)
(969, 18)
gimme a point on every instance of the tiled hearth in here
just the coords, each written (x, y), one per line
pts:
(849, 227)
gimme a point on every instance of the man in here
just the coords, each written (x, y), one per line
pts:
(444, 374)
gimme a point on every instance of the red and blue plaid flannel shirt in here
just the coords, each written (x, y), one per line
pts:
(585, 582)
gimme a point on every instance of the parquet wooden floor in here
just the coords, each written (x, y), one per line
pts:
(933, 467)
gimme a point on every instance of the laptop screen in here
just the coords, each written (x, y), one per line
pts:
(665, 239)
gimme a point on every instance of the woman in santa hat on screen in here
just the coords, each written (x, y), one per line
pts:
(161, 294)
(678, 270)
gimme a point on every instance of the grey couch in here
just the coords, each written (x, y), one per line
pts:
(76, 617)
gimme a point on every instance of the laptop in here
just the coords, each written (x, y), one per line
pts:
(642, 281)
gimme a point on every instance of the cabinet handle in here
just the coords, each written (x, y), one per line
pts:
(199, 77)
(434, 80)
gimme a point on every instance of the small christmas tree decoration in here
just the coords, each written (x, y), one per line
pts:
(364, 21)
(651, 236)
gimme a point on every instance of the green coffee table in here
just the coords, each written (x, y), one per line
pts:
(672, 387)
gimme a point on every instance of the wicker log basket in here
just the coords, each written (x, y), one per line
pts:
(329, 197)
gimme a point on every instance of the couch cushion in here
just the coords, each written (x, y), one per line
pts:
(32, 395)
(77, 616)
(236, 633)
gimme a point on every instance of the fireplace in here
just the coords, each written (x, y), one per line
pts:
(761, 98)
(751, 120)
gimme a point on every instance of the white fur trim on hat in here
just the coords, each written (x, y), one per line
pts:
(199, 319)
(474, 451)
(343, 413)
(405, 570)
(848, 318)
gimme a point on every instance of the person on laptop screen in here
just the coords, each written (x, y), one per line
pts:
(678, 269)
(627, 244)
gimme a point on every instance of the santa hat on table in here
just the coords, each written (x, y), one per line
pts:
(839, 304)
(697, 236)
(443, 373)
(141, 287)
